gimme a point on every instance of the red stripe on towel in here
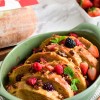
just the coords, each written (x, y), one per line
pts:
(27, 2)
(2, 3)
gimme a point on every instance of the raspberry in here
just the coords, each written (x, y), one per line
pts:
(78, 43)
(70, 43)
(59, 69)
(47, 86)
(31, 81)
(37, 66)
(73, 34)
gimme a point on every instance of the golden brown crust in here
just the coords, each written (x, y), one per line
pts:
(59, 84)
(26, 92)
(49, 56)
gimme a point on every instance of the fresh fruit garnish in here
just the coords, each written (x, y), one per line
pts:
(85, 3)
(75, 92)
(93, 12)
(48, 86)
(70, 43)
(78, 43)
(84, 67)
(37, 66)
(73, 34)
(31, 81)
(18, 77)
(58, 69)
(57, 40)
(35, 50)
(96, 3)
(94, 51)
(92, 7)
(92, 73)
(74, 82)
(68, 71)
(52, 47)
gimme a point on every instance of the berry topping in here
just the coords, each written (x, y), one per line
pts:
(59, 69)
(31, 81)
(18, 77)
(48, 86)
(52, 47)
(78, 43)
(35, 50)
(84, 67)
(73, 34)
(70, 43)
(37, 66)
(92, 73)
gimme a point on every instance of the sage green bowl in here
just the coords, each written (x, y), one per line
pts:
(24, 49)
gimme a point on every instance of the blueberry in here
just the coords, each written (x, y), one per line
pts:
(70, 43)
(18, 77)
(48, 86)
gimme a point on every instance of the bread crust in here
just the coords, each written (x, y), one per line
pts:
(16, 25)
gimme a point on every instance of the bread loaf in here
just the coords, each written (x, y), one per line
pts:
(16, 25)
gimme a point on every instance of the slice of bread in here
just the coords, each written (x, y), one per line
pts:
(26, 92)
(19, 71)
(68, 53)
(49, 56)
(59, 84)
(87, 56)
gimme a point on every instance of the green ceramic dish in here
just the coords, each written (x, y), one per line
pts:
(88, 31)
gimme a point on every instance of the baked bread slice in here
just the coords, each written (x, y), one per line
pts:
(27, 68)
(52, 56)
(87, 56)
(51, 59)
(65, 52)
(59, 84)
(85, 42)
(26, 92)
(16, 25)
(90, 47)
(77, 75)
(18, 72)
(48, 56)
(53, 37)
(47, 41)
